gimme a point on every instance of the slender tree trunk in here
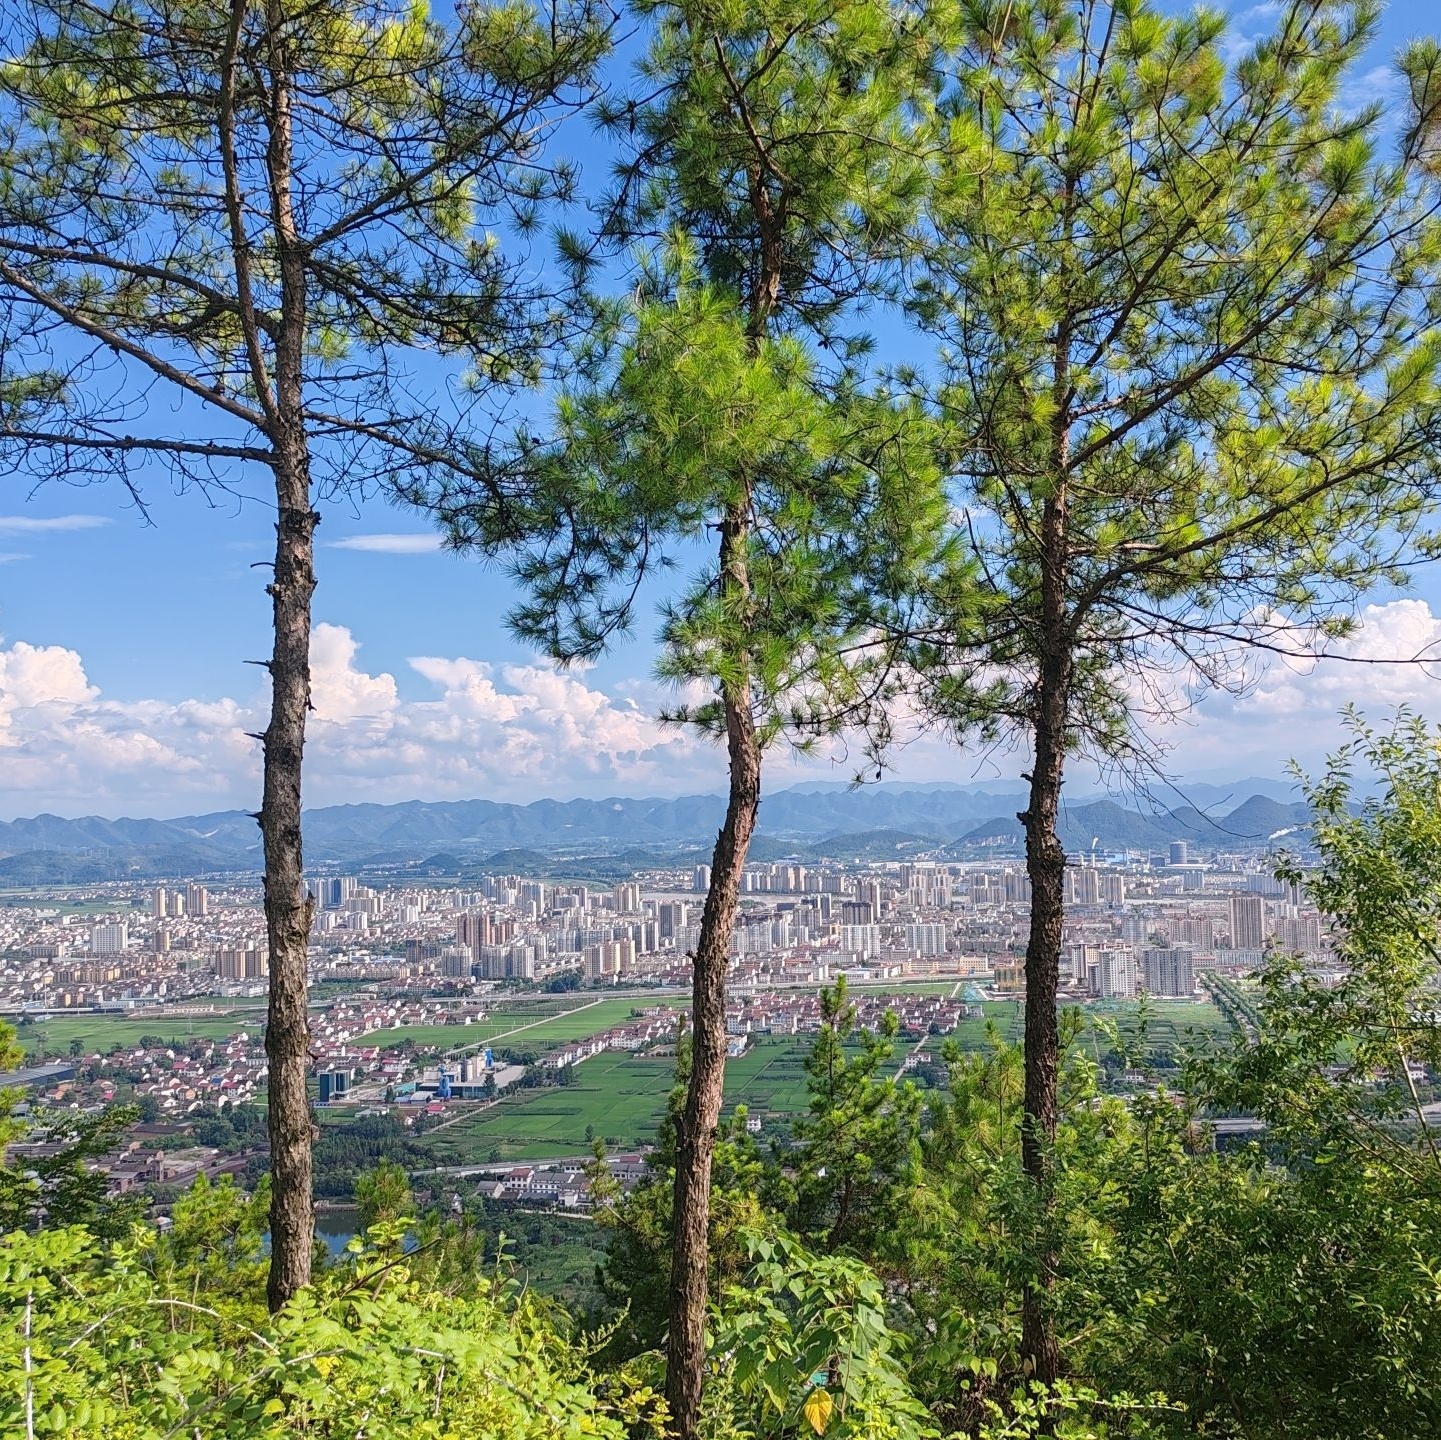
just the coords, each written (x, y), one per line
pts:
(1046, 870)
(287, 904)
(695, 1145)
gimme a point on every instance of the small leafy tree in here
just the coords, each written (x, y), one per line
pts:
(383, 1195)
(100, 1346)
(58, 1184)
(1246, 1282)
(857, 1151)
(806, 1347)
(635, 1276)
(1341, 1063)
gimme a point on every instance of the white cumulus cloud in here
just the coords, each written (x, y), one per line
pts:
(456, 727)
(462, 729)
(1290, 709)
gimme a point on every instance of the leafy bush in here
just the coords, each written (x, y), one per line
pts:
(99, 1347)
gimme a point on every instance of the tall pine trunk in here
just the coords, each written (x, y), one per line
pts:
(695, 1143)
(287, 903)
(1046, 870)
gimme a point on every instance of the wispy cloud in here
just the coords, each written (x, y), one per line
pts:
(48, 524)
(6, 556)
(413, 544)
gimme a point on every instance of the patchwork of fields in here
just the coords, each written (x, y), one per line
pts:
(530, 1027)
(620, 1098)
(617, 1097)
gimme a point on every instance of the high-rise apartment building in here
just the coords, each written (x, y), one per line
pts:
(672, 915)
(109, 939)
(165, 903)
(473, 930)
(927, 939)
(1083, 885)
(1299, 933)
(868, 892)
(1248, 922)
(242, 962)
(863, 940)
(1195, 930)
(336, 890)
(610, 959)
(1169, 970)
(1116, 977)
(455, 962)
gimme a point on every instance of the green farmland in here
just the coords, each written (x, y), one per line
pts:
(621, 1096)
(102, 1033)
(770, 1077)
(1167, 1027)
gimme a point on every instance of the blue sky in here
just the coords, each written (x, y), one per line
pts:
(123, 687)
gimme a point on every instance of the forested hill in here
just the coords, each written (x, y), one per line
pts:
(807, 820)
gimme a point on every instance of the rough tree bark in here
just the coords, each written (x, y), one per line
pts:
(1046, 870)
(1045, 867)
(695, 1143)
(690, 1234)
(287, 904)
(1046, 861)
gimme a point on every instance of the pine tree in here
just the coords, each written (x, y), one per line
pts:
(770, 182)
(241, 221)
(1191, 374)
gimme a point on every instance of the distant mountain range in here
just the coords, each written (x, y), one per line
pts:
(810, 821)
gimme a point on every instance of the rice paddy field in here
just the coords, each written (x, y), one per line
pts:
(543, 1022)
(769, 1078)
(621, 1096)
(1170, 1023)
(618, 1097)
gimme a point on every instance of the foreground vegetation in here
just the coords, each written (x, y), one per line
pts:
(869, 1270)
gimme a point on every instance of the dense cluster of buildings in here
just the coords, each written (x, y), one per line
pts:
(1130, 926)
